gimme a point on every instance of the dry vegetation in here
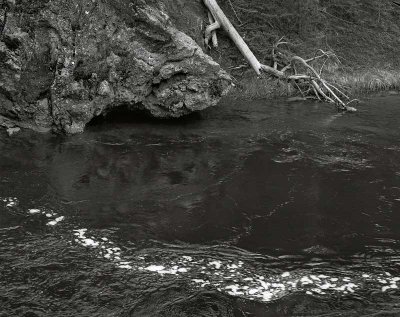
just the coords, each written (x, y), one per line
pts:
(364, 34)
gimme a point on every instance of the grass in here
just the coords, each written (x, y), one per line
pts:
(365, 35)
(354, 84)
(369, 81)
(266, 87)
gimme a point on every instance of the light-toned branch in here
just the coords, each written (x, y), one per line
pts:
(220, 17)
(213, 32)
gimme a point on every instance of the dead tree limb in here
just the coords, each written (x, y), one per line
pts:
(310, 78)
(221, 18)
(213, 32)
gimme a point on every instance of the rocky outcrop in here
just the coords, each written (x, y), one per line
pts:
(63, 63)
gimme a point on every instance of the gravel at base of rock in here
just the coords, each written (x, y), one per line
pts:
(62, 63)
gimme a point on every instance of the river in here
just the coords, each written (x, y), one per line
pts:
(248, 209)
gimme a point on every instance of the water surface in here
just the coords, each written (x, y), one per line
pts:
(249, 209)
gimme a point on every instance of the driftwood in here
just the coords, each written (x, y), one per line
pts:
(285, 66)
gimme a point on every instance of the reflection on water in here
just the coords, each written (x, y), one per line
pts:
(289, 205)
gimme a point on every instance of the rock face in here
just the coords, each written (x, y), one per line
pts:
(63, 63)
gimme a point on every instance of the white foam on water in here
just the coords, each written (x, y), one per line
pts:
(34, 211)
(89, 243)
(162, 270)
(217, 264)
(305, 280)
(10, 201)
(232, 277)
(234, 290)
(125, 266)
(315, 278)
(155, 268)
(56, 221)
(109, 251)
(49, 214)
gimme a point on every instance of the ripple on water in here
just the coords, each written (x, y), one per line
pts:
(233, 276)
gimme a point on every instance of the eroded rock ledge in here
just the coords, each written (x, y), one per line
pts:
(63, 63)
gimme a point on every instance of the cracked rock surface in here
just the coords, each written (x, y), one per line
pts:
(62, 63)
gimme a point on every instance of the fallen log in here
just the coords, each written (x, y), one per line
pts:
(319, 87)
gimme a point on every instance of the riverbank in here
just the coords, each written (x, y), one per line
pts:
(365, 38)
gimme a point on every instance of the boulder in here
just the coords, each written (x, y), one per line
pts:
(62, 63)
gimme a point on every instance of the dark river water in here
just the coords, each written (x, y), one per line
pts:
(249, 209)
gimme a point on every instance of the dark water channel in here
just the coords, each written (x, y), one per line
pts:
(258, 209)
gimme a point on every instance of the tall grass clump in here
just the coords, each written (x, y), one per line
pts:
(372, 81)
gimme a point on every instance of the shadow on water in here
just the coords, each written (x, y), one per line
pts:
(126, 115)
(246, 193)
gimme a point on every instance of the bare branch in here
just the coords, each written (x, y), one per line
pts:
(213, 33)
